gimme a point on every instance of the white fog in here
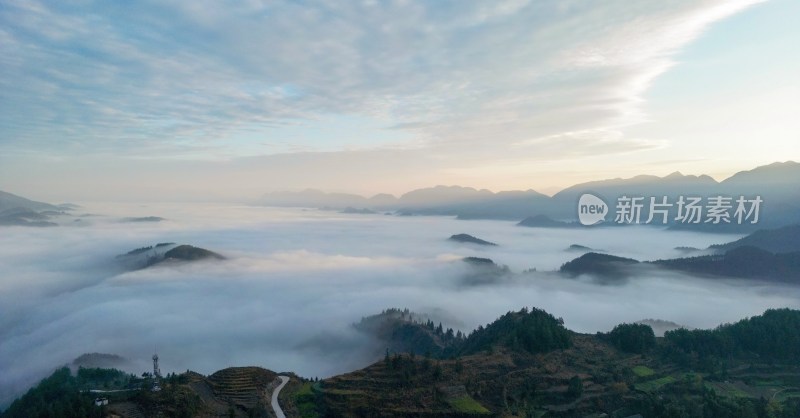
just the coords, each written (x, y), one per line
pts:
(294, 280)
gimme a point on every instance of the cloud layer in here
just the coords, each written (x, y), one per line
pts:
(202, 78)
(295, 280)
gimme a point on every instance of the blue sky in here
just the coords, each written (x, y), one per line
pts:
(190, 99)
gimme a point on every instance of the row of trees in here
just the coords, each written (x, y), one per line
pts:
(449, 336)
(631, 338)
(534, 331)
(57, 396)
(773, 336)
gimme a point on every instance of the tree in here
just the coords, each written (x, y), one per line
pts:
(533, 331)
(775, 335)
(437, 372)
(632, 338)
(575, 388)
(55, 396)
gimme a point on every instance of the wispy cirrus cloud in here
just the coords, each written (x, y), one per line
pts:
(188, 78)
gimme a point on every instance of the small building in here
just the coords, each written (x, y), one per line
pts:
(100, 401)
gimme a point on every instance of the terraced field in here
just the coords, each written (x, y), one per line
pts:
(654, 385)
(243, 386)
(777, 383)
(126, 410)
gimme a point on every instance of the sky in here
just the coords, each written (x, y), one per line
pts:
(171, 100)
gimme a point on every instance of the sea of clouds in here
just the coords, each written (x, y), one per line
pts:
(295, 280)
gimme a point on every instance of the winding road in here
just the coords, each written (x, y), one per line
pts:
(275, 406)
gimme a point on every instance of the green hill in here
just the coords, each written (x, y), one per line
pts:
(780, 240)
(524, 364)
(469, 239)
(191, 253)
(743, 262)
(402, 331)
(603, 265)
(531, 331)
(164, 252)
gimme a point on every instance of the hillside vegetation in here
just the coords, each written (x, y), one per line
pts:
(524, 364)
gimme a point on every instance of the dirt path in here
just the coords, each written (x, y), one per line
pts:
(275, 406)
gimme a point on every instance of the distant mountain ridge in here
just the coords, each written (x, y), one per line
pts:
(19, 211)
(661, 326)
(780, 240)
(775, 183)
(740, 262)
(544, 221)
(743, 262)
(12, 201)
(102, 360)
(771, 255)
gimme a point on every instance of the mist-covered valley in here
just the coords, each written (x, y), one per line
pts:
(293, 282)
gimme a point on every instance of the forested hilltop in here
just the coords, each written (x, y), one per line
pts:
(527, 364)
(524, 364)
